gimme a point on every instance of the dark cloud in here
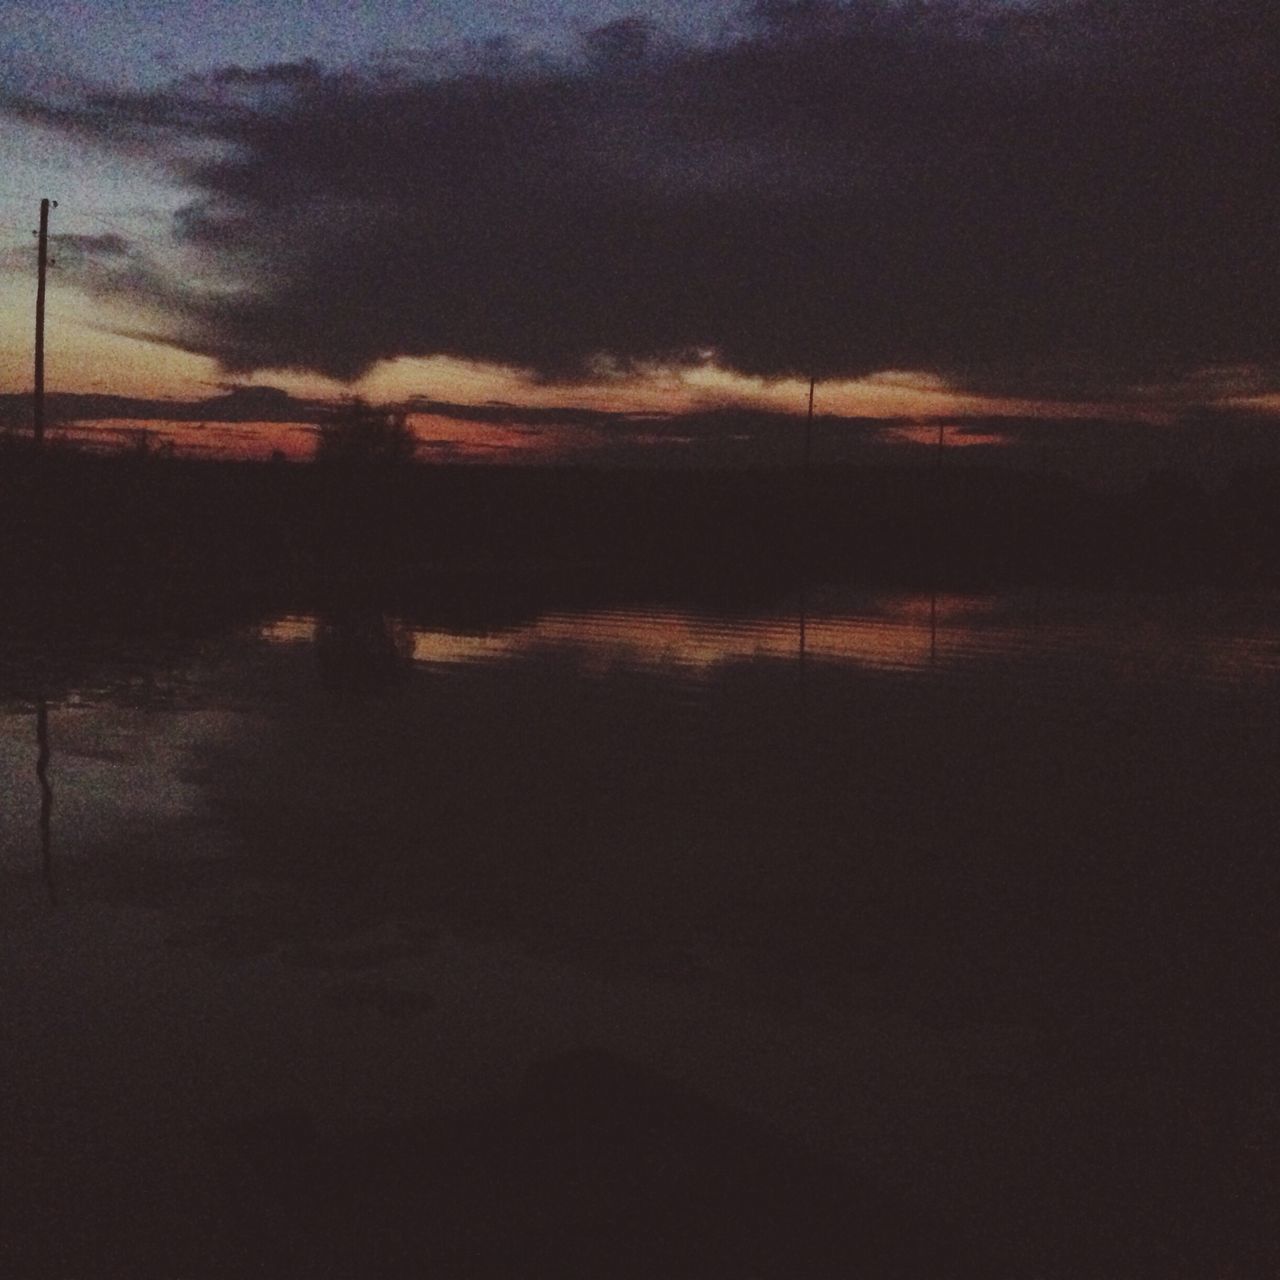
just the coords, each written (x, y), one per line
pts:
(1061, 196)
(72, 251)
(237, 403)
(517, 414)
(109, 244)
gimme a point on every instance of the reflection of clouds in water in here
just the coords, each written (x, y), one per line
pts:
(117, 773)
(290, 628)
(607, 638)
(956, 437)
(887, 633)
(627, 638)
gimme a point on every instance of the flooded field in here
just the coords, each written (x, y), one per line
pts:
(968, 895)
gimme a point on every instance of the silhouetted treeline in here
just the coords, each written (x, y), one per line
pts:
(137, 533)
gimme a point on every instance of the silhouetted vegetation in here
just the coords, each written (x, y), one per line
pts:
(142, 536)
(357, 435)
(1079, 859)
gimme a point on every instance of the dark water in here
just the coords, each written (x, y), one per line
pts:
(973, 895)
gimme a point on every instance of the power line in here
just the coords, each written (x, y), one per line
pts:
(111, 226)
(94, 214)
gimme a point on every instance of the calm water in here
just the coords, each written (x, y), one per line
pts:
(971, 893)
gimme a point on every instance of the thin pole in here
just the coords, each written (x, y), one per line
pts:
(38, 418)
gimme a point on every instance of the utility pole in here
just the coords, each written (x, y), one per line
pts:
(38, 418)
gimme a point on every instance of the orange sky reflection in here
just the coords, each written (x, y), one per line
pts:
(900, 633)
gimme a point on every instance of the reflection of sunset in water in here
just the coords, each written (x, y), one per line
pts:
(602, 640)
(957, 436)
(289, 629)
(897, 633)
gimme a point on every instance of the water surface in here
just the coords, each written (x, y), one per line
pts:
(966, 891)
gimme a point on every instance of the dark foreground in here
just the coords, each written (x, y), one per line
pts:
(134, 526)
(492, 929)
(596, 1168)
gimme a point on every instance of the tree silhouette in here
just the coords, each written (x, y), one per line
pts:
(358, 435)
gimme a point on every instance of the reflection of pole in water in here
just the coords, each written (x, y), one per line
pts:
(804, 618)
(933, 625)
(46, 797)
(804, 522)
(1040, 489)
(808, 428)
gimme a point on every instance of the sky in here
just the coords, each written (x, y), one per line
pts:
(1037, 209)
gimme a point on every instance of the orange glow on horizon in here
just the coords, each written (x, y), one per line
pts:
(88, 351)
(459, 439)
(246, 440)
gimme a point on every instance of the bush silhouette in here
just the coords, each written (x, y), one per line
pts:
(359, 435)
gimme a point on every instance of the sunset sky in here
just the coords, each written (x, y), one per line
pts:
(1064, 209)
